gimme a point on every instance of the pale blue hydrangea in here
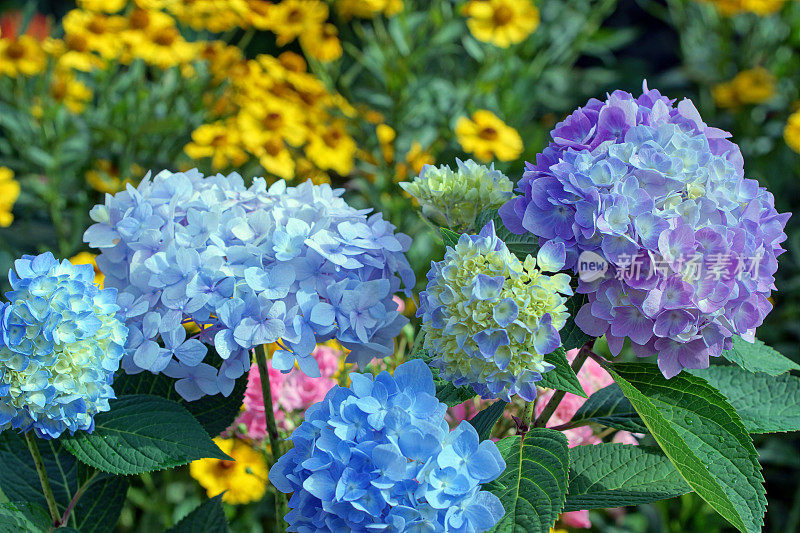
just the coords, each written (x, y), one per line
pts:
(251, 265)
(60, 343)
(379, 456)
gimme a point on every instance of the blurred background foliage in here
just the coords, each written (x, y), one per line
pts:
(362, 94)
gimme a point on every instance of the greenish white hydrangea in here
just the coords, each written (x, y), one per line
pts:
(454, 198)
(489, 319)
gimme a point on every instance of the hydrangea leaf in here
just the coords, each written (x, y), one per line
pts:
(571, 335)
(209, 516)
(446, 392)
(767, 404)
(484, 421)
(534, 484)
(704, 438)
(520, 245)
(449, 237)
(609, 407)
(143, 433)
(615, 475)
(562, 377)
(758, 357)
(23, 516)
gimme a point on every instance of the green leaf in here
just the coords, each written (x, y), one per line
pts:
(446, 392)
(571, 335)
(208, 517)
(609, 407)
(704, 438)
(23, 516)
(520, 245)
(484, 421)
(533, 486)
(449, 237)
(100, 506)
(142, 433)
(758, 357)
(615, 475)
(562, 377)
(767, 404)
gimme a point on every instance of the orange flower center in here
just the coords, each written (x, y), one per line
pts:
(502, 15)
(488, 133)
(294, 16)
(273, 121)
(15, 51)
(58, 89)
(332, 137)
(77, 43)
(219, 140)
(273, 147)
(166, 37)
(97, 25)
(140, 19)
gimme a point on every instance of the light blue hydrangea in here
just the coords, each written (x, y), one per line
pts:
(249, 266)
(378, 456)
(489, 319)
(60, 343)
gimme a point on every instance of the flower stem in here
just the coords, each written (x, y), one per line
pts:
(48, 492)
(77, 497)
(558, 395)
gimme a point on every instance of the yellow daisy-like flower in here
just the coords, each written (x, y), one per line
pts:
(105, 177)
(258, 14)
(221, 58)
(275, 157)
(488, 137)
(104, 6)
(306, 170)
(322, 42)
(72, 54)
(268, 118)
(101, 32)
(21, 55)
(501, 22)
(9, 192)
(243, 480)
(348, 9)
(219, 141)
(752, 86)
(213, 15)
(331, 148)
(386, 136)
(759, 7)
(70, 91)
(415, 159)
(88, 258)
(792, 132)
(291, 18)
(153, 37)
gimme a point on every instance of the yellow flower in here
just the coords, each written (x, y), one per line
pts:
(752, 86)
(72, 53)
(70, 91)
(306, 170)
(488, 137)
(213, 15)
(348, 9)
(105, 176)
(258, 14)
(220, 141)
(291, 18)
(322, 42)
(331, 148)
(759, 7)
(9, 192)
(153, 37)
(101, 32)
(268, 118)
(221, 58)
(416, 158)
(386, 136)
(501, 22)
(276, 158)
(244, 479)
(792, 132)
(21, 55)
(105, 6)
(88, 258)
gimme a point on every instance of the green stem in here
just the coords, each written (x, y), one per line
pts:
(77, 497)
(552, 405)
(48, 492)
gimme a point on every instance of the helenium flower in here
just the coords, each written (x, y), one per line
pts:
(455, 198)
(692, 245)
(378, 456)
(60, 343)
(489, 319)
(246, 266)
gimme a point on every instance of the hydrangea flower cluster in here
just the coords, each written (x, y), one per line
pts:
(489, 319)
(378, 456)
(251, 266)
(454, 199)
(691, 244)
(61, 341)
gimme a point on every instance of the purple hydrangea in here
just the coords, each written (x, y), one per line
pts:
(691, 244)
(246, 266)
(378, 456)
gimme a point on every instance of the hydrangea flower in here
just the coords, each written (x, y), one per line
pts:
(61, 341)
(489, 319)
(250, 265)
(691, 244)
(454, 199)
(378, 456)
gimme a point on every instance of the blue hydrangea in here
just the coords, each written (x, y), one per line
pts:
(489, 319)
(60, 343)
(691, 244)
(246, 266)
(378, 456)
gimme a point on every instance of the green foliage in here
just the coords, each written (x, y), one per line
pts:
(571, 335)
(487, 418)
(520, 245)
(758, 357)
(615, 475)
(611, 408)
(208, 517)
(23, 516)
(767, 404)
(446, 392)
(704, 438)
(534, 484)
(449, 237)
(562, 377)
(142, 433)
